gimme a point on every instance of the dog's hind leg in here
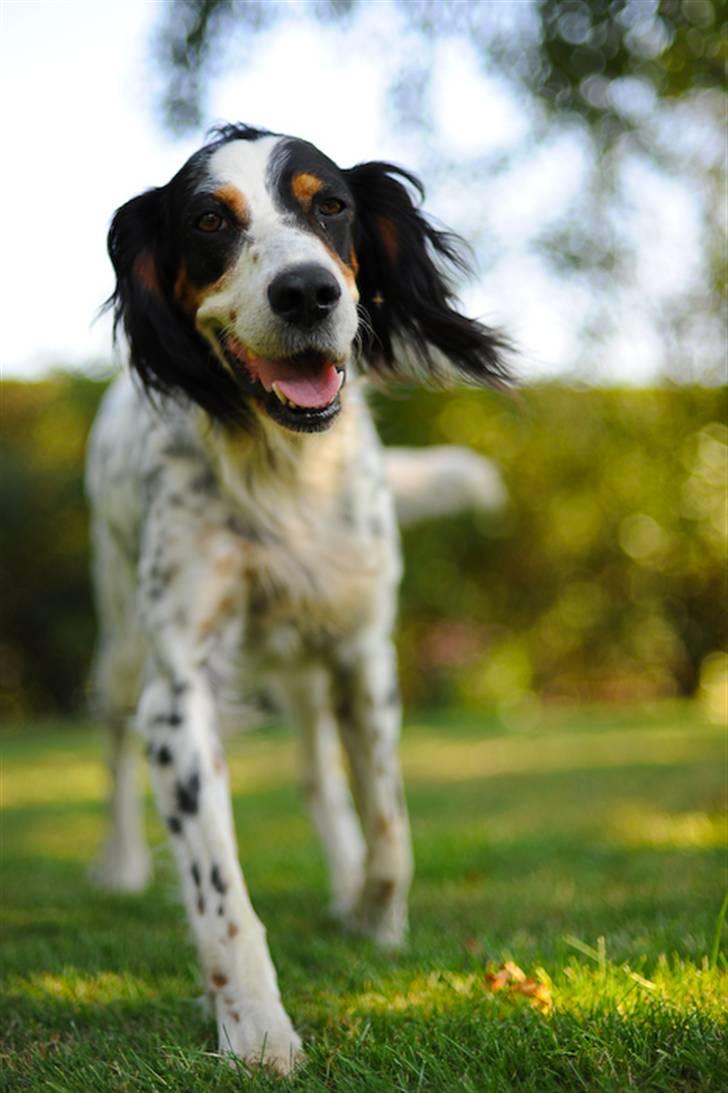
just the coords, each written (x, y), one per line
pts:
(368, 709)
(124, 863)
(307, 698)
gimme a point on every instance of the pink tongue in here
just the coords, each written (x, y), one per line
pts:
(312, 390)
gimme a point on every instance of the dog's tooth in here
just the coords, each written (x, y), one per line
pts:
(279, 395)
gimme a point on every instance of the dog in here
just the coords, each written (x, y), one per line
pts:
(243, 524)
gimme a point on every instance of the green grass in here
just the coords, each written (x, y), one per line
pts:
(587, 847)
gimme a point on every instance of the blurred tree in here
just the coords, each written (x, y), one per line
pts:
(567, 52)
(46, 619)
(640, 84)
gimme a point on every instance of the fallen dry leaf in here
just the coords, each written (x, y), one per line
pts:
(509, 976)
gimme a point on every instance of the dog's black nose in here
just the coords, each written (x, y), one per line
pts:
(304, 294)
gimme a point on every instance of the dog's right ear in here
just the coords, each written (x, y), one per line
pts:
(166, 351)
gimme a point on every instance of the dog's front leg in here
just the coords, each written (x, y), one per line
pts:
(368, 707)
(177, 714)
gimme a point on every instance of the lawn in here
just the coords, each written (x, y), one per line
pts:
(586, 847)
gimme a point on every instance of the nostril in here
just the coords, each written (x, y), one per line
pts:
(288, 298)
(286, 293)
(304, 294)
(327, 293)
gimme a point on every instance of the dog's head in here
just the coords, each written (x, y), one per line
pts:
(245, 282)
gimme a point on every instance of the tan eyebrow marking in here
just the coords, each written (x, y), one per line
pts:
(305, 186)
(235, 201)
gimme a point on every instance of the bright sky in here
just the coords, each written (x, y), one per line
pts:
(80, 139)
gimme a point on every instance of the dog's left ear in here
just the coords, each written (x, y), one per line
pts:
(411, 325)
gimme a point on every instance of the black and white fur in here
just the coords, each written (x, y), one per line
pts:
(244, 529)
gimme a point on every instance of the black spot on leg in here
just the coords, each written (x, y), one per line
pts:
(220, 910)
(180, 687)
(201, 905)
(188, 795)
(217, 882)
(195, 871)
(174, 824)
(164, 756)
(174, 719)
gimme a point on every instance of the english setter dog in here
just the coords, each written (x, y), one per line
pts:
(243, 526)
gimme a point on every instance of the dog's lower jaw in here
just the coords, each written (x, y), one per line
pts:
(302, 421)
(270, 396)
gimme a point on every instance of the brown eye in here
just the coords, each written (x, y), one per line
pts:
(210, 222)
(331, 206)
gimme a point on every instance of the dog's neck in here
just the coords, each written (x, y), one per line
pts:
(267, 461)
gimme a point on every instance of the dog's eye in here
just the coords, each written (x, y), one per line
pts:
(331, 206)
(210, 222)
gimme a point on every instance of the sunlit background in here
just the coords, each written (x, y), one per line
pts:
(580, 149)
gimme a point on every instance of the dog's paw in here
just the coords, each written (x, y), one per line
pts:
(121, 869)
(264, 1037)
(344, 899)
(380, 913)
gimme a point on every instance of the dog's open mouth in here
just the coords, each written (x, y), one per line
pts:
(300, 392)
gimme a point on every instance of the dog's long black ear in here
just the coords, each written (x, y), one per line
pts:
(166, 351)
(411, 324)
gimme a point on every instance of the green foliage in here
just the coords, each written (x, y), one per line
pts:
(46, 623)
(674, 47)
(566, 52)
(603, 578)
(588, 851)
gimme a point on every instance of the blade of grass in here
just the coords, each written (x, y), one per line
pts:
(715, 948)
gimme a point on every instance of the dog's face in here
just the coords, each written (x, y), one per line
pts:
(266, 272)
(238, 283)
